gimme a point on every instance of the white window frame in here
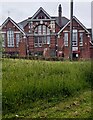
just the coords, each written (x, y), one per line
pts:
(10, 38)
(39, 43)
(3, 39)
(17, 39)
(39, 30)
(65, 39)
(48, 40)
(36, 43)
(81, 39)
(44, 30)
(42, 33)
(75, 35)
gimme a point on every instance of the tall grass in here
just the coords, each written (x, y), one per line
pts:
(26, 81)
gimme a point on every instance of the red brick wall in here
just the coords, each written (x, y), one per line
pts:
(10, 25)
(91, 52)
(84, 51)
(6, 27)
(22, 48)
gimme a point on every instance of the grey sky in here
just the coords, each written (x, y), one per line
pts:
(22, 10)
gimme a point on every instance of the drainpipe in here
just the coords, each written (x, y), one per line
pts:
(56, 44)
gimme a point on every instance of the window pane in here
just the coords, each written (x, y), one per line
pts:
(10, 36)
(36, 31)
(36, 41)
(74, 41)
(39, 30)
(17, 39)
(44, 40)
(48, 31)
(65, 39)
(3, 40)
(44, 29)
(81, 39)
(40, 42)
(40, 39)
(48, 39)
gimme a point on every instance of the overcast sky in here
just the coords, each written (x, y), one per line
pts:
(19, 10)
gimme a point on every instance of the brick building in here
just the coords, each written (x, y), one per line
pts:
(45, 35)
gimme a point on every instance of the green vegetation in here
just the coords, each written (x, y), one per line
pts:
(33, 89)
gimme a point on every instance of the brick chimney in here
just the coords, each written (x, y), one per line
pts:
(60, 15)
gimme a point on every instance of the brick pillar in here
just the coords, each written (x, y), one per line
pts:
(22, 48)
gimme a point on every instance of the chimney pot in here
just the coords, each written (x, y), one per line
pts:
(60, 15)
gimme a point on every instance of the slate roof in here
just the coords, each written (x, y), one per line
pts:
(23, 23)
(64, 21)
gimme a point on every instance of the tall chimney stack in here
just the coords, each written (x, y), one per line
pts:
(60, 15)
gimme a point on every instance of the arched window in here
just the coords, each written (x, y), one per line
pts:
(41, 36)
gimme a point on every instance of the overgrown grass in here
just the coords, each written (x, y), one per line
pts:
(25, 82)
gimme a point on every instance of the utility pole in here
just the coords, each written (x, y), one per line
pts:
(71, 29)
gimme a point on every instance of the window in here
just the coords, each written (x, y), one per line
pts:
(81, 39)
(53, 24)
(39, 30)
(48, 39)
(39, 41)
(44, 30)
(17, 39)
(3, 40)
(41, 35)
(75, 40)
(36, 42)
(44, 40)
(10, 38)
(65, 39)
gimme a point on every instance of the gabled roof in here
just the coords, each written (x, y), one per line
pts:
(41, 9)
(81, 24)
(77, 22)
(9, 19)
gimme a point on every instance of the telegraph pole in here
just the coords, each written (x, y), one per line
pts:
(71, 29)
